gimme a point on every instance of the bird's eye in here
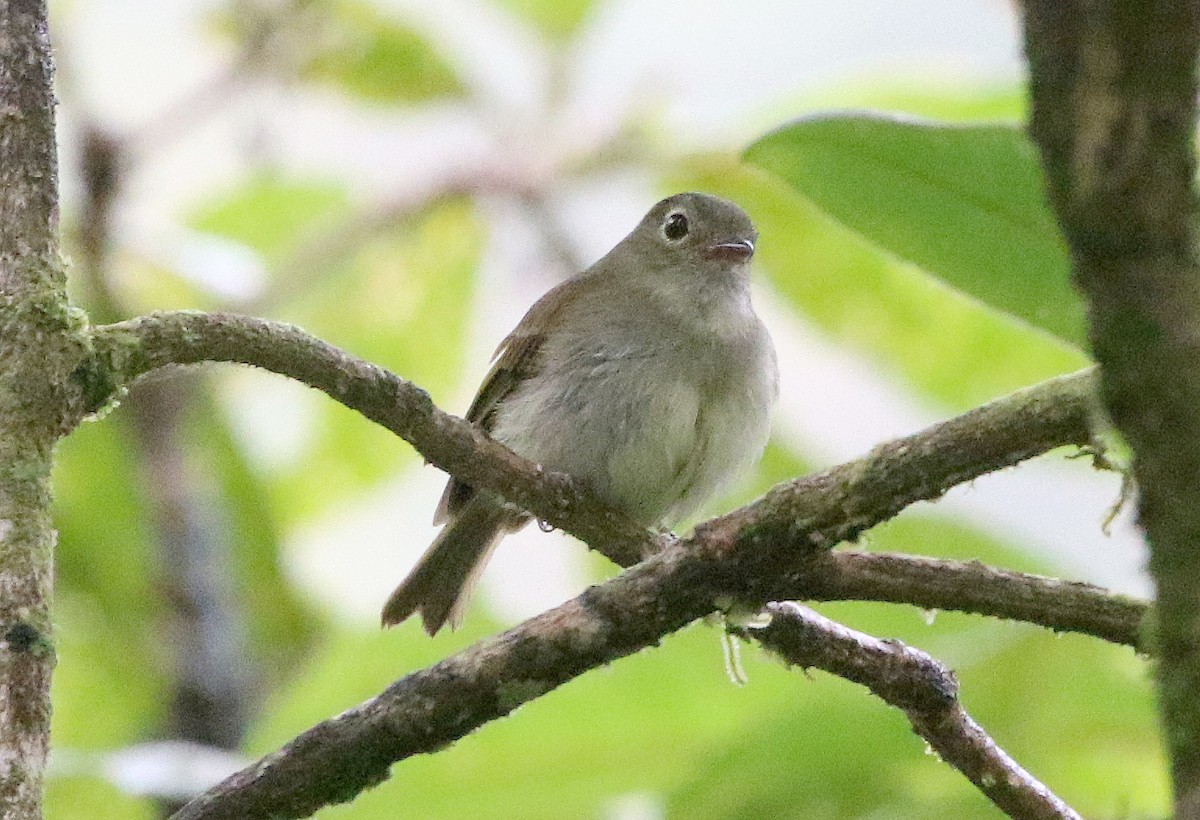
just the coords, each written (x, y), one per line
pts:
(676, 227)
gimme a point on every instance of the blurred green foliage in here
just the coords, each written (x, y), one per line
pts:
(398, 296)
(271, 213)
(278, 622)
(557, 19)
(875, 235)
(363, 50)
(403, 303)
(358, 47)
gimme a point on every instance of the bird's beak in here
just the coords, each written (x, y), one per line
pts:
(732, 250)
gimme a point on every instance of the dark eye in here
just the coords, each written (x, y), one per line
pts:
(676, 227)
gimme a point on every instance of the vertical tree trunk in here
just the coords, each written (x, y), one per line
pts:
(37, 344)
(1114, 114)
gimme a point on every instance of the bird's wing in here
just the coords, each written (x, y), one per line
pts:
(516, 359)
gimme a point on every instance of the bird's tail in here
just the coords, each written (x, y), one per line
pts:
(440, 584)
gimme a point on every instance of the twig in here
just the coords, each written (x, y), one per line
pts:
(127, 350)
(553, 237)
(269, 34)
(427, 710)
(312, 258)
(923, 689)
(969, 586)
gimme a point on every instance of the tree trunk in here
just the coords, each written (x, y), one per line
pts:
(1114, 114)
(40, 344)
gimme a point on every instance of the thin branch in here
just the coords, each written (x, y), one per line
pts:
(426, 710)
(267, 35)
(923, 689)
(839, 504)
(429, 709)
(553, 235)
(817, 511)
(969, 586)
(310, 261)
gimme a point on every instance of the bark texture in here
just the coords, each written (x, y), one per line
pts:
(40, 344)
(1114, 113)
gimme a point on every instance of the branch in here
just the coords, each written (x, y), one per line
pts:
(768, 550)
(784, 538)
(429, 709)
(812, 513)
(923, 689)
(127, 350)
(969, 586)
(1114, 115)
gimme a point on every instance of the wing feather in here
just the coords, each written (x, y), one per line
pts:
(516, 359)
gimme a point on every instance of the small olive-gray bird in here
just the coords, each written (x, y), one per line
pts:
(648, 377)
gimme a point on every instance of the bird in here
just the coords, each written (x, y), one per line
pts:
(648, 377)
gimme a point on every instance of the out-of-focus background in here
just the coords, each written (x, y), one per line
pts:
(403, 178)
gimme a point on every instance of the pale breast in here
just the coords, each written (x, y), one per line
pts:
(733, 424)
(654, 419)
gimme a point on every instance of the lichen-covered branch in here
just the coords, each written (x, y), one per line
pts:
(426, 710)
(923, 689)
(1114, 114)
(127, 350)
(776, 548)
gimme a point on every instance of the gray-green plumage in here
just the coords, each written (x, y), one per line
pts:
(648, 376)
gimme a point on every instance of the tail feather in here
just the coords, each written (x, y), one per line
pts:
(440, 585)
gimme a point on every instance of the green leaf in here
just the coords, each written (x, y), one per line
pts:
(950, 102)
(367, 53)
(965, 203)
